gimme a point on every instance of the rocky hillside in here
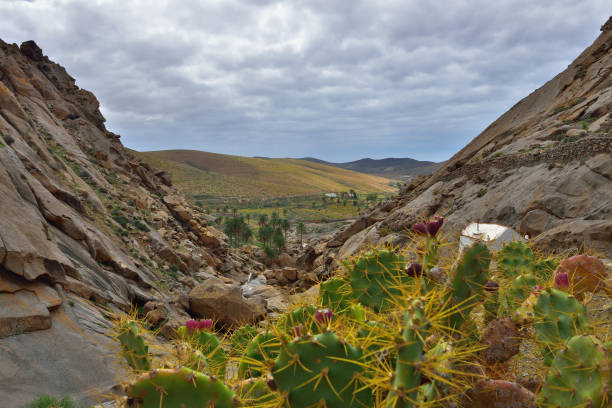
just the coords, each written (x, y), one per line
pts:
(87, 230)
(543, 168)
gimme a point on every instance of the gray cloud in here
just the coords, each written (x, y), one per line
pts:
(339, 80)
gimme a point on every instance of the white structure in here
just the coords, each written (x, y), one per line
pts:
(493, 235)
(331, 195)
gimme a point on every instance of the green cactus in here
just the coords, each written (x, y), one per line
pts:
(439, 387)
(209, 345)
(544, 268)
(520, 288)
(336, 294)
(491, 305)
(407, 378)
(178, 388)
(241, 338)
(558, 316)
(468, 282)
(255, 392)
(262, 349)
(191, 357)
(579, 376)
(515, 258)
(376, 279)
(322, 371)
(303, 316)
(133, 347)
(430, 257)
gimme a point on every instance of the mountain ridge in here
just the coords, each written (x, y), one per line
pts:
(388, 167)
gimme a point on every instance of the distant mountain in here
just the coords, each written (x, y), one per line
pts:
(389, 167)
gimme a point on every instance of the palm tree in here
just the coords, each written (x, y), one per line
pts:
(284, 224)
(301, 229)
(275, 220)
(278, 239)
(263, 220)
(265, 234)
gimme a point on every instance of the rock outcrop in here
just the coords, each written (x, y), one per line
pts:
(543, 168)
(86, 229)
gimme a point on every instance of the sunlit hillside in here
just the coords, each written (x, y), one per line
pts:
(218, 175)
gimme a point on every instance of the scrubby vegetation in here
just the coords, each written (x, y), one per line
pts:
(397, 328)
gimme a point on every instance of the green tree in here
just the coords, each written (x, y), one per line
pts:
(301, 230)
(372, 197)
(246, 234)
(275, 220)
(278, 239)
(263, 220)
(285, 225)
(265, 234)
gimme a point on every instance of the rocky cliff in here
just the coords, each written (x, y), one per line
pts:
(544, 168)
(85, 230)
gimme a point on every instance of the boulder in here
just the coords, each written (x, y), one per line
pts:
(594, 234)
(224, 303)
(499, 394)
(285, 259)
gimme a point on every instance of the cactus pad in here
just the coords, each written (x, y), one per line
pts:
(468, 283)
(407, 378)
(321, 371)
(241, 339)
(133, 347)
(558, 317)
(209, 345)
(336, 294)
(178, 388)
(515, 258)
(376, 278)
(579, 376)
(262, 349)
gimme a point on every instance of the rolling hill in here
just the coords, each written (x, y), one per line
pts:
(397, 168)
(218, 175)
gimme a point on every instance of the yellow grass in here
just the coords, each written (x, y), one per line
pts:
(218, 175)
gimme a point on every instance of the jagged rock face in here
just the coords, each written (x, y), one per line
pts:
(543, 168)
(84, 227)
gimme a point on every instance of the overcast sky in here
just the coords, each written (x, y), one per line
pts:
(334, 79)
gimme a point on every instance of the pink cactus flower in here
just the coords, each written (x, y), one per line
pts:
(205, 324)
(191, 325)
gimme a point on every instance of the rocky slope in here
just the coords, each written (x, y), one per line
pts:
(87, 230)
(544, 168)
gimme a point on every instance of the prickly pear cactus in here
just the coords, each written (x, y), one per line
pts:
(192, 358)
(579, 376)
(520, 288)
(515, 258)
(468, 283)
(376, 278)
(558, 316)
(241, 339)
(209, 345)
(336, 294)
(299, 321)
(262, 350)
(544, 268)
(133, 347)
(407, 377)
(322, 371)
(178, 388)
